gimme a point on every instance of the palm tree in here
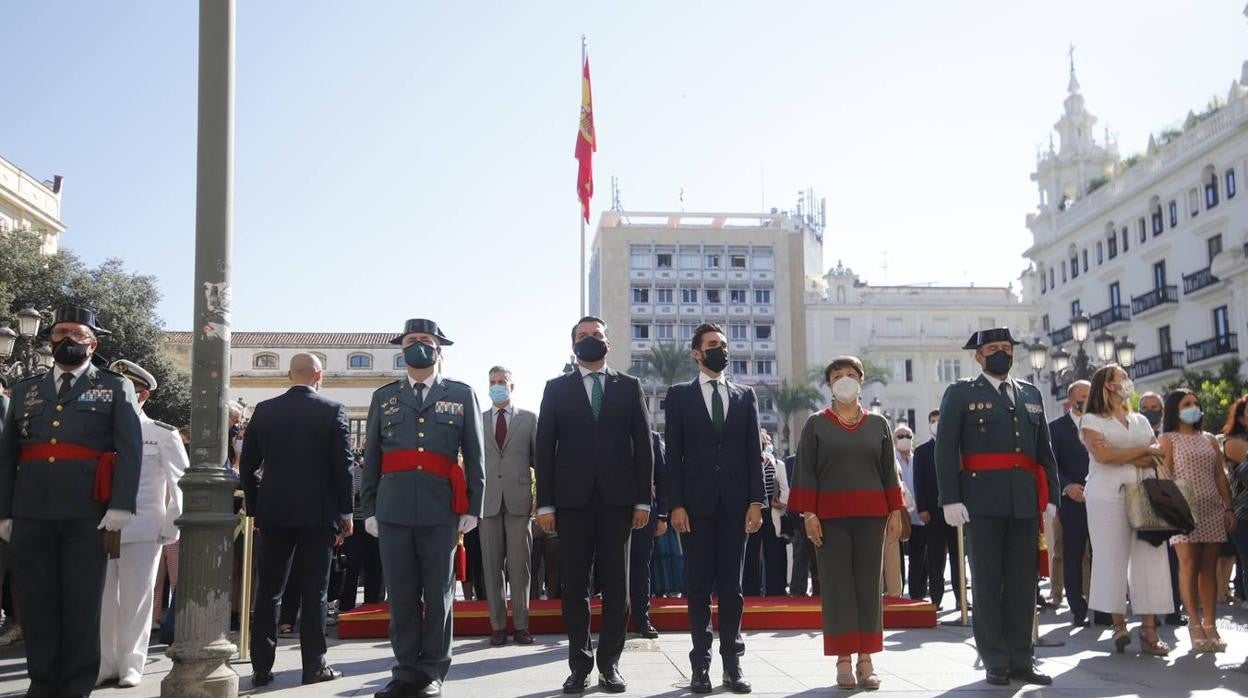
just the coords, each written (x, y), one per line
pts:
(665, 363)
(790, 399)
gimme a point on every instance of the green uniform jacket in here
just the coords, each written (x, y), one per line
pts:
(99, 412)
(974, 418)
(448, 422)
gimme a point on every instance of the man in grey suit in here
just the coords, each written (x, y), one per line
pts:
(417, 499)
(510, 448)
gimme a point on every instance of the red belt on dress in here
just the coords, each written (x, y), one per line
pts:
(105, 463)
(434, 464)
(978, 462)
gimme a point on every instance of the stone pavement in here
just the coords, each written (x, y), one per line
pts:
(934, 662)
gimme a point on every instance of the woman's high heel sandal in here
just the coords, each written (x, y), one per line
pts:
(866, 677)
(1122, 637)
(1216, 643)
(845, 678)
(1200, 643)
(1154, 646)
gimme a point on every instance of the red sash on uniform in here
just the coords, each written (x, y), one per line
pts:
(434, 464)
(1010, 461)
(105, 463)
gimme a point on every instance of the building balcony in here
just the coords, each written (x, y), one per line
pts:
(1198, 280)
(665, 310)
(1107, 317)
(738, 275)
(689, 274)
(739, 310)
(640, 310)
(763, 276)
(715, 311)
(693, 310)
(764, 311)
(642, 274)
(1061, 335)
(739, 346)
(714, 275)
(1154, 299)
(1213, 347)
(1151, 366)
(665, 273)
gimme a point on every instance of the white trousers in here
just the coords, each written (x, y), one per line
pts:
(1123, 565)
(126, 614)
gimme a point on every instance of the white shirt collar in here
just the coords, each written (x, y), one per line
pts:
(429, 382)
(703, 379)
(996, 382)
(585, 371)
(509, 410)
(57, 372)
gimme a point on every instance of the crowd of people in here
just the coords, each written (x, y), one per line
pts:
(583, 498)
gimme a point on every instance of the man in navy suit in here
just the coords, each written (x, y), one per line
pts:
(595, 475)
(1072, 474)
(641, 549)
(716, 493)
(942, 538)
(298, 445)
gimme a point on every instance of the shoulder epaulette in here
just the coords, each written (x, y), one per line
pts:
(163, 425)
(455, 381)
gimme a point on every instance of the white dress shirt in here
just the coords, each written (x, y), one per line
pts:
(1009, 386)
(429, 382)
(57, 372)
(588, 380)
(508, 412)
(704, 382)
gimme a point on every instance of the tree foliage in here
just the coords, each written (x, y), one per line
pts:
(789, 399)
(124, 303)
(1217, 389)
(665, 364)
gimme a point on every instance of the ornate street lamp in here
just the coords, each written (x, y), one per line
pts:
(1079, 326)
(1125, 351)
(28, 320)
(1037, 355)
(1061, 360)
(20, 357)
(875, 405)
(1104, 343)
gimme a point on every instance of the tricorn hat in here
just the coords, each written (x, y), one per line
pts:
(134, 372)
(423, 326)
(996, 334)
(82, 316)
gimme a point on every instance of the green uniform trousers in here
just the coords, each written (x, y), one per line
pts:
(850, 562)
(1003, 584)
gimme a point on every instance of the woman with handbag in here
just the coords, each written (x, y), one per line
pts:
(1122, 450)
(1192, 454)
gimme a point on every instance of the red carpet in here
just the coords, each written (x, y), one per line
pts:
(762, 613)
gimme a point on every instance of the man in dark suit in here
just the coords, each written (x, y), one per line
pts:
(595, 474)
(941, 538)
(805, 577)
(1072, 475)
(641, 549)
(716, 494)
(299, 445)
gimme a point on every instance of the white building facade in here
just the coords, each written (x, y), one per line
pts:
(915, 333)
(27, 203)
(1151, 248)
(355, 364)
(654, 277)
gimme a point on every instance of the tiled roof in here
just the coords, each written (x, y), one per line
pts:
(295, 340)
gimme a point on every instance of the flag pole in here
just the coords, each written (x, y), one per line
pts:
(582, 281)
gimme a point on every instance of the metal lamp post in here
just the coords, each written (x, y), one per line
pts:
(1037, 356)
(1079, 327)
(21, 356)
(1124, 351)
(875, 406)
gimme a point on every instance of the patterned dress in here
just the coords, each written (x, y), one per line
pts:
(1196, 460)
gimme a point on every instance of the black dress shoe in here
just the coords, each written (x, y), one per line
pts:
(1078, 622)
(648, 632)
(577, 682)
(398, 689)
(1031, 676)
(735, 683)
(325, 673)
(262, 678)
(700, 682)
(611, 681)
(431, 690)
(998, 677)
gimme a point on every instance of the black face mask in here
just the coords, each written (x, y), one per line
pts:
(420, 355)
(715, 358)
(998, 362)
(1153, 416)
(1079, 406)
(67, 352)
(590, 349)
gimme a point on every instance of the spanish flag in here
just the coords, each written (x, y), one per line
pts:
(586, 144)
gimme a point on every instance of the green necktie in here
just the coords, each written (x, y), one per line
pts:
(717, 407)
(596, 399)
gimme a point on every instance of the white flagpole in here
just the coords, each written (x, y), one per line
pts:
(583, 282)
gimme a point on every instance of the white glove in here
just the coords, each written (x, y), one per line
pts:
(956, 514)
(115, 520)
(168, 533)
(1050, 510)
(467, 522)
(370, 525)
(6, 529)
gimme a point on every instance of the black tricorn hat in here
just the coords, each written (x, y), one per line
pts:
(82, 316)
(996, 334)
(423, 326)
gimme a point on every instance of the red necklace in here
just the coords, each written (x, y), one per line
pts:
(835, 418)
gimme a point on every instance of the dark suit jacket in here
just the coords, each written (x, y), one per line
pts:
(578, 455)
(1071, 454)
(708, 467)
(302, 442)
(926, 494)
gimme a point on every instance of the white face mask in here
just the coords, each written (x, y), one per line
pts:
(1126, 389)
(904, 443)
(846, 389)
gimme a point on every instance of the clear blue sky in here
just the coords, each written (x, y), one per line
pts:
(399, 159)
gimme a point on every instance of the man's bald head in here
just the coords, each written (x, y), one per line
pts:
(1077, 396)
(306, 369)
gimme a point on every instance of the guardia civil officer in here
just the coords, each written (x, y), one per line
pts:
(126, 615)
(416, 499)
(996, 473)
(69, 467)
